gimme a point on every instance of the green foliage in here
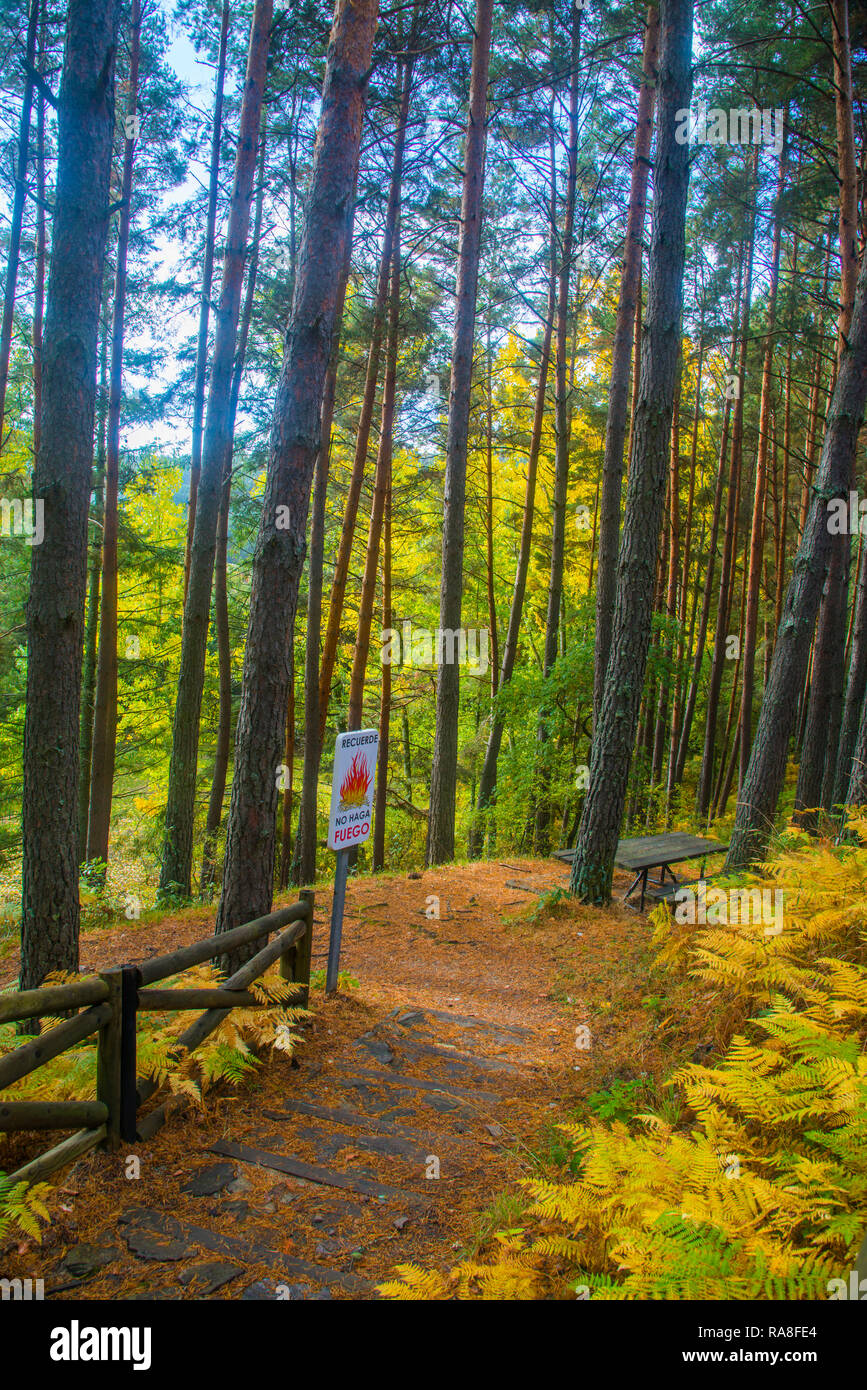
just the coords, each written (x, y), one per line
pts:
(617, 1101)
(22, 1207)
(227, 1055)
(344, 979)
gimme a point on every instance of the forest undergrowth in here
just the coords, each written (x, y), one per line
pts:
(742, 1176)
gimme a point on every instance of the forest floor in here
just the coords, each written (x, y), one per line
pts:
(422, 1094)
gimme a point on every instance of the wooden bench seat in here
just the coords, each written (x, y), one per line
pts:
(665, 892)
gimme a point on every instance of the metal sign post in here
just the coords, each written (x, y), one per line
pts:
(349, 822)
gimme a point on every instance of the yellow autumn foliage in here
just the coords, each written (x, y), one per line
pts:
(760, 1191)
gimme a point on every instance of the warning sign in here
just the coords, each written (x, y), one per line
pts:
(352, 788)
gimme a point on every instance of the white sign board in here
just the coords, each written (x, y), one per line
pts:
(352, 784)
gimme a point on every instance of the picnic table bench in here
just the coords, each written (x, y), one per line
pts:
(646, 852)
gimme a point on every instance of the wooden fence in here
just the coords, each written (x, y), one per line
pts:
(109, 1003)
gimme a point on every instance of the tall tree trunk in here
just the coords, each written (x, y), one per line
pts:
(812, 434)
(489, 520)
(39, 277)
(671, 587)
(17, 219)
(682, 648)
(362, 438)
(705, 783)
(614, 737)
(757, 532)
(783, 529)
(836, 683)
(824, 710)
(62, 481)
(378, 862)
(289, 762)
(763, 783)
(205, 297)
(88, 674)
(303, 861)
(224, 718)
(819, 752)
(846, 167)
(105, 702)
(248, 876)
(221, 592)
(377, 509)
(856, 686)
(561, 455)
(318, 677)
(488, 778)
(621, 359)
(724, 775)
(177, 855)
(441, 822)
(689, 713)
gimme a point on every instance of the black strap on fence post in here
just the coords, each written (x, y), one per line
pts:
(130, 981)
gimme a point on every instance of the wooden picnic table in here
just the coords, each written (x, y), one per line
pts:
(646, 852)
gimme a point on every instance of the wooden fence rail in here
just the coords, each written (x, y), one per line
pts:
(110, 1004)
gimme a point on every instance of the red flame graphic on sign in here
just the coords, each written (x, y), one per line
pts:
(353, 788)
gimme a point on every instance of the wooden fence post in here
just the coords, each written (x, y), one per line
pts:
(108, 1070)
(295, 963)
(131, 979)
(116, 1056)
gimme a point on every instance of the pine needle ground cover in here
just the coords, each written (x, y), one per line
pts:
(750, 1180)
(231, 1054)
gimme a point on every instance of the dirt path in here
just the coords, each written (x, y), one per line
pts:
(412, 1106)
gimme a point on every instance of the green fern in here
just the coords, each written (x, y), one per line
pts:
(22, 1207)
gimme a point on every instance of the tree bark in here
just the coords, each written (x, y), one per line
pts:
(441, 822)
(289, 761)
(689, 713)
(682, 647)
(671, 586)
(621, 360)
(386, 449)
(824, 709)
(758, 801)
(856, 686)
(489, 519)
(303, 861)
(783, 527)
(362, 438)
(88, 674)
(39, 276)
(757, 532)
(221, 592)
(177, 855)
(62, 481)
(846, 166)
(105, 702)
(561, 453)
(318, 678)
(17, 218)
(614, 736)
(705, 783)
(819, 753)
(205, 298)
(488, 777)
(377, 509)
(812, 433)
(248, 876)
(724, 775)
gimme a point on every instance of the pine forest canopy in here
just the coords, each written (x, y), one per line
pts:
(489, 377)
